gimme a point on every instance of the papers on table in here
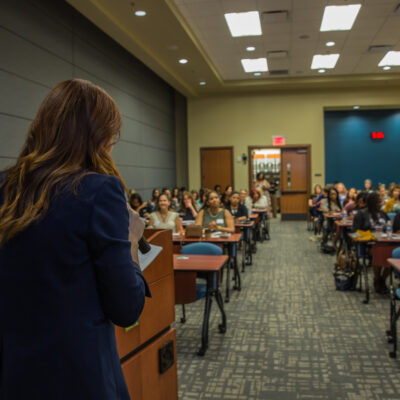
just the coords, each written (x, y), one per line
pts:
(146, 259)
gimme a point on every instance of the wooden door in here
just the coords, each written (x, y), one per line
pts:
(216, 167)
(295, 182)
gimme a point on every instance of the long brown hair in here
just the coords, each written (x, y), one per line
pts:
(68, 139)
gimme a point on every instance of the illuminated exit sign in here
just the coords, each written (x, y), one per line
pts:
(377, 135)
(278, 140)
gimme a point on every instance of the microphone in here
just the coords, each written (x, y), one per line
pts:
(144, 245)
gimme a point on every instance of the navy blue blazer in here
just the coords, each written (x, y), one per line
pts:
(64, 281)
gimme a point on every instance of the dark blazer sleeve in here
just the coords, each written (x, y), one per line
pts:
(396, 223)
(120, 282)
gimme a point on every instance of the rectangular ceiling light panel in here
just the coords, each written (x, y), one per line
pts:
(391, 58)
(327, 61)
(244, 24)
(255, 65)
(339, 18)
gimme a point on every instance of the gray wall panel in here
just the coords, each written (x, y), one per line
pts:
(43, 42)
(12, 135)
(6, 162)
(19, 96)
(30, 61)
(47, 24)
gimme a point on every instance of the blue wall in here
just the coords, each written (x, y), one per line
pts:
(351, 156)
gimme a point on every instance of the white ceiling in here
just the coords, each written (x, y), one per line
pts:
(376, 24)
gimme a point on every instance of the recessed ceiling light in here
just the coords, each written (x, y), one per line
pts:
(254, 65)
(391, 58)
(330, 44)
(244, 24)
(386, 67)
(140, 13)
(202, 83)
(183, 61)
(257, 73)
(324, 61)
(339, 18)
(250, 48)
(322, 71)
(356, 107)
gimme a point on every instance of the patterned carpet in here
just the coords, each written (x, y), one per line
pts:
(290, 334)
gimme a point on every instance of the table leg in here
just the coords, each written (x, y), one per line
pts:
(233, 251)
(228, 279)
(206, 319)
(218, 297)
(249, 257)
(243, 251)
(366, 301)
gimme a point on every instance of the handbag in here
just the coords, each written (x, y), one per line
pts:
(194, 231)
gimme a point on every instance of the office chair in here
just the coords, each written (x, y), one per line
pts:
(199, 248)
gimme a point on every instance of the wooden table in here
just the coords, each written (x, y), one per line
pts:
(382, 248)
(394, 310)
(210, 265)
(230, 243)
(246, 227)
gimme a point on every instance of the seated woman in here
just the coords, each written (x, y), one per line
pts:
(349, 203)
(393, 204)
(383, 195)
(137, 204)
(153, 202)
(256, 200)
(196, 197)
(261, 183)
(213, 216)
(175, 197)
(163, 218)
(238, 211)
(330, 205)
(342, 192)
(188, 210)
(370, 218)
(312, 201)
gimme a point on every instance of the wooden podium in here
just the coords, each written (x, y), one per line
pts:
(148, 350)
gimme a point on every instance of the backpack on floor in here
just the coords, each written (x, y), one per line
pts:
(345, 271)
(327, 249)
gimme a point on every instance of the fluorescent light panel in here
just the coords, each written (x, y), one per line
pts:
(255, 65)
(324, 61)
(391, 58)
(339, 18)
(244, 24)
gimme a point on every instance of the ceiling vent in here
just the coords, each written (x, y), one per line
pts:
(279, 72)
(397, 9)
(274, 17)
(278, 54)
(384, 48)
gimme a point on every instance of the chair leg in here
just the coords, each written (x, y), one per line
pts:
(183, 319)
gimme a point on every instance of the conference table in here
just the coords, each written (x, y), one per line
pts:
(230, 243)
(382, 247)
(210, 266)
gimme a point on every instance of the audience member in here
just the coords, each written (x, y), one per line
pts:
(261, 183)
(342, 193)
(153, 202)
(163, 218)
(238, 210)
(136, 202)
(256, 200)
(188, 210)
(370, 218)
(368, 185)
(393, 204)
(217, 189)
(213, 216)
(196, 198)
(383, 195)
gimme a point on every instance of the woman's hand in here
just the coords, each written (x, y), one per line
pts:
(212, 226)
(136, 228)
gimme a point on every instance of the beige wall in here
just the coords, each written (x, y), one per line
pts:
(252, 119)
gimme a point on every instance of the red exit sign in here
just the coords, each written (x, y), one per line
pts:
(377, 135)
(278, 140)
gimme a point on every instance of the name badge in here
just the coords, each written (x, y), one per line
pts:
(220, 221)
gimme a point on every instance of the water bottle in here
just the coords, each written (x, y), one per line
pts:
(389, 229)
(344, 214)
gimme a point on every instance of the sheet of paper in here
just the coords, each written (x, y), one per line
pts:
(146, 259)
